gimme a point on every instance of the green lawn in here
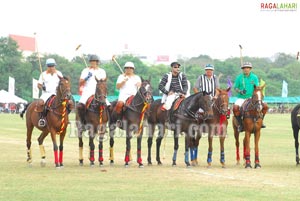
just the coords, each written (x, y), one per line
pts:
(278, 179)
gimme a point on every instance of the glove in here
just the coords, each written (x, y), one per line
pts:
(44, 87)
(243, 92)
(88, 76)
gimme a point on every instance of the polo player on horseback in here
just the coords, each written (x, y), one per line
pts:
(128, 85)
(173, 85)
(48, 82)
(88, 84)
(244, 86)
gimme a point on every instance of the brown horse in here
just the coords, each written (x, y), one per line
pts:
(252, 112)
(133, 114)
(57, 122)
(217, 126)
(96, 118)
(296, 126)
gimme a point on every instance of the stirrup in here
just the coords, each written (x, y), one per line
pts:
(42, 122)
(119, 123)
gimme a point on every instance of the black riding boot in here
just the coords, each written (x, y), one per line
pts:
(240, 126)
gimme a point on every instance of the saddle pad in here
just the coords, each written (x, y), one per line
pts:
(89, 101)
(129, 100)
(50, 100)
(177, 103)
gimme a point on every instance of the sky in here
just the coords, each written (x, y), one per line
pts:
(184, 28)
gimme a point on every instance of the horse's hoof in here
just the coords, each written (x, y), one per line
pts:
(126, 165)
(188, 165)
(174, 164)
(238, 163)
(92, 164)
(257, 165)
(208, 165)
(101, 164)
(62, 165)
(159, 163)
(223, 165)
(149, 163)
(141, 165)
(248, 166)
(57, 166)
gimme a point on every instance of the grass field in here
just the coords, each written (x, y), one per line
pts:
(278, 179)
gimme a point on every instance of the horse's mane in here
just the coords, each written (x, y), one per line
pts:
(295, 110)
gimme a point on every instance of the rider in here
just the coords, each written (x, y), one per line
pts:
(244, 86)
(208, 82)
(48, 82)
(88, 84)
(128, 85)
(172, 85)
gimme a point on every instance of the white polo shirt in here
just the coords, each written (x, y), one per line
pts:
(129, 88)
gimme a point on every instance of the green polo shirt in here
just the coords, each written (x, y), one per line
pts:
(246, 82)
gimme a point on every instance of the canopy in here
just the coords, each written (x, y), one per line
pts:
(6, 97)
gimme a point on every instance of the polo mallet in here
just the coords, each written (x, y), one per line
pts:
(114, 59)
(241, 56)
(298, 55)
(38, 55)
(82, 56)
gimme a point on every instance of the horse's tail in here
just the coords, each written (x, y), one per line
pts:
(24, 110)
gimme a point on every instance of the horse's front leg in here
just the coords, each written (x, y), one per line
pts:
(187, 146)
(42, 148)
(247, 149)
(112, 130)
(176, 146)
(100, 159)
(151, 128)
(161, 135)
(55, 149)
(80, 148)
(128, 147)
(210, 148)
(237, 142)
(61, 148)
(256, 141)
(92, 147)
(139, 150)
(222, 150)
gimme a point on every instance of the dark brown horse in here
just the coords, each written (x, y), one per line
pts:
(183, 119)
(217, 126)
(96, 118)
(252, 112)
(133, 114)
(295, 120)
(158, 118)
(57, 122)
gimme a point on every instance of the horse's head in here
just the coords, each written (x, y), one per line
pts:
(146, 90)
(64, 88)
(257, 97)
(101, 91)
(206, 105)
(222, 102)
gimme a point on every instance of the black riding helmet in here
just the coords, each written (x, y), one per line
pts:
(93, 57)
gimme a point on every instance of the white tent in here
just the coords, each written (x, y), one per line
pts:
(6, 97)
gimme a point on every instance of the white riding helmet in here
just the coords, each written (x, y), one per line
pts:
(129, 64)
(50, 62)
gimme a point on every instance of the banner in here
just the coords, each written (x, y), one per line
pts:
(11, 85)
(229, 84)
(284, 92)
(35, 89)
(262, 83)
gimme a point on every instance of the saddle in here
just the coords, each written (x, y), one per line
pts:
(129, 101)
(177, 103)
(89, 101)
(47, 105)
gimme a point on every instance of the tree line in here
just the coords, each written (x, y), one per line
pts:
(281, 67)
